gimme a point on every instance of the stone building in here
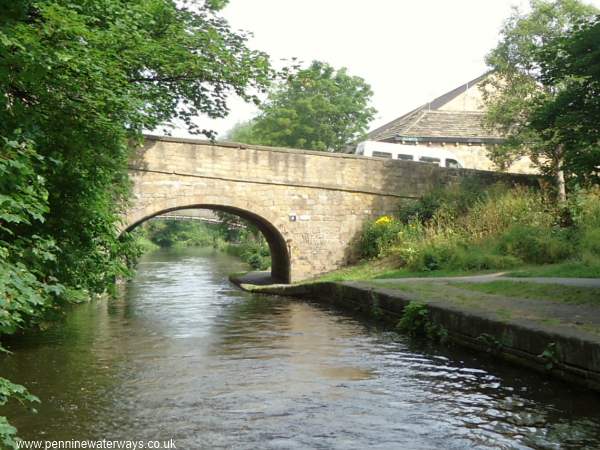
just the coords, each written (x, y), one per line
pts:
(454, 122)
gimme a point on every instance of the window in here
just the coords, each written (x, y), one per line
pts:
(452, 164)
(428, 159)
(405, 157)
(382, 154)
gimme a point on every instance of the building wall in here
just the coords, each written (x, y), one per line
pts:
(475, 157)
(470, 100)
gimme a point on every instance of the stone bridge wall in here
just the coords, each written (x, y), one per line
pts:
(311, 206)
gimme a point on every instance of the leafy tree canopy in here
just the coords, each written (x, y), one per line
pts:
(317, 108)
(82, 79)
(518, 89)
(571, 66)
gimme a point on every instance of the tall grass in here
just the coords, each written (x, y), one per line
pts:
(466, 227)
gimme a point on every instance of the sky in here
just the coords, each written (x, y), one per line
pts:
(409, 51)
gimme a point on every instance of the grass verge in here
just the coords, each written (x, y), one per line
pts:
(387, 268)
(569, 269)
(551, 292)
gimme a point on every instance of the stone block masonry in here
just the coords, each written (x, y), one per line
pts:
(311, 206)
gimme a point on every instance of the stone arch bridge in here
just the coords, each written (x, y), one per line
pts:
(310, 206)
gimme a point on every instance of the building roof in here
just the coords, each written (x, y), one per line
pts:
(430, 121)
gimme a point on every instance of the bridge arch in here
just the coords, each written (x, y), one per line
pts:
(280, 255)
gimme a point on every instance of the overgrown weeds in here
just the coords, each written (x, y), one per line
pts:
(469, 228)
(416, 321)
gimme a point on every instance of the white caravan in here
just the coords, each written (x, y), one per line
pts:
(419, 153)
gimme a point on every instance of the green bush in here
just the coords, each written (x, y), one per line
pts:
(535, 245)
(584, 207)
(430, 257)
(416, 322)
(256, 254)
(458, 198)
(251, 249)
(455, 256)
(478, 258)
(590, 241)
(379, 236)
(497, 211)
(468, 228)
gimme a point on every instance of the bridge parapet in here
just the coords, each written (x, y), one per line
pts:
(311, 206)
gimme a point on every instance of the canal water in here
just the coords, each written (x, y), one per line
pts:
(184, 355)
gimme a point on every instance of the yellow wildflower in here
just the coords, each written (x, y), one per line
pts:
(383, 220)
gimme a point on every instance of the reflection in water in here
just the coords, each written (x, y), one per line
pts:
(185, 355)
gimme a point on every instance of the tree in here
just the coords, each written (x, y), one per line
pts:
(317, 108)
(517, 90)
(82, 79)
(79, 81)
(571, 65)
(243, 132)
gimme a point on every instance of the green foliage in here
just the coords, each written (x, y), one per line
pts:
(317, 108)
(535, 245)
(492, 344)
(27, 292)
(456, 257)
(414, 319)
(244, 240)
(551, 355)
(82, 80)
(479, 258)
(181, 233)
(416, 322)
(235, 236)
(144, 244)
(376, 238)
(233, 228)
(469, 229)
(590, 241)
(522, 102)
(255, 253)
(245, 133)
(569, 65)
(584, 208)
(17, 393)
(459, 198)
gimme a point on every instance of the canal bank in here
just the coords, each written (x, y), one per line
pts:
(559, 339)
